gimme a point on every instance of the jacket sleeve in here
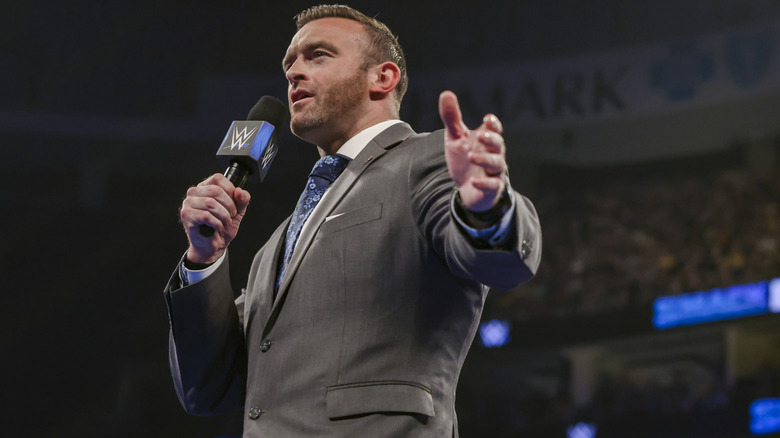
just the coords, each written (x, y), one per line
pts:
(502, 267)
(206, 350)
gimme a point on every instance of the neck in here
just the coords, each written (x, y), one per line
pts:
(329, 146)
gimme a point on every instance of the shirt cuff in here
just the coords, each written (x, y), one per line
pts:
(494, 235)
(192, 276)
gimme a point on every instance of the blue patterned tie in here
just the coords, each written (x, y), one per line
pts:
(325, 171)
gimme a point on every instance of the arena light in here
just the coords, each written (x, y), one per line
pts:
(765, 416)
(581, 430)
(494, 333)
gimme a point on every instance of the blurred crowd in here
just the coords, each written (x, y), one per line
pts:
(615, 240)
(684, 405)
(627, 240)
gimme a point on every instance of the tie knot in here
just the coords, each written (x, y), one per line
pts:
(330, 167)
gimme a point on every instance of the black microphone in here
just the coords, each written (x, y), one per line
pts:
(250, 146)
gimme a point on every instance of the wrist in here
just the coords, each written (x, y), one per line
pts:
(195, 261)
(487, 218)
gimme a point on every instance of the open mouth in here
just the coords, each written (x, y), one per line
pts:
(299, 95)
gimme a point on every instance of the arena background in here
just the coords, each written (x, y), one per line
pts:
(647, 134)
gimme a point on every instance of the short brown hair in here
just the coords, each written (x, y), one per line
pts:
(383, 45)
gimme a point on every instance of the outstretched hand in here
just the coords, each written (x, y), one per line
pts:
(476, 159)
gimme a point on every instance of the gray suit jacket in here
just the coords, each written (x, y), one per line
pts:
(373, 321)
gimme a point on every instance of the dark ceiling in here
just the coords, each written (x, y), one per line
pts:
(146, 57)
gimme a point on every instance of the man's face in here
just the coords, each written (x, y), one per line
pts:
(327, 86)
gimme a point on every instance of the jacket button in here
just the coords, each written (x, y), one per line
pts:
(525, 249)
(266, 345)
(255, 413)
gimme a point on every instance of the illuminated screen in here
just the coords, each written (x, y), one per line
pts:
(765, 416)
(774, 295)
(713, 305)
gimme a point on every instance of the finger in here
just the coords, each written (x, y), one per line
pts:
(492, 164)
(193, 218)
(210, 180)
(241, 198)
(492, 142)
(196, 218)
(219, 180)
(215, 193)
(196, 211)
(490, 187)
(450, 114)
(491, 122)
(212, 206)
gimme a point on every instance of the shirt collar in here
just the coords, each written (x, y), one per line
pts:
(354, 145)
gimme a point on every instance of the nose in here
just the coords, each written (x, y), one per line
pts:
(295, 73)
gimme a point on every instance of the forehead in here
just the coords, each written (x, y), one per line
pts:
(342, 32)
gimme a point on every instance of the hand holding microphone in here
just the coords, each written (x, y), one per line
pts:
(218, 203)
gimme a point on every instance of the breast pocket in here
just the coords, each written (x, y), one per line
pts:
(341, 221)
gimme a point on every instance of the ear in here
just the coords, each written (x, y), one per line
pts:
(384, 79)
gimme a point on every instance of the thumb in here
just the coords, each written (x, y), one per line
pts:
(450, 114)
(241, 198)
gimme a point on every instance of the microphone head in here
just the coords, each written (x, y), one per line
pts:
(251, 145)
(270, 109)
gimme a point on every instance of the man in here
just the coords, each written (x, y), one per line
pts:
(358, 324)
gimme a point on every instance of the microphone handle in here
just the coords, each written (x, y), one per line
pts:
(237, 173)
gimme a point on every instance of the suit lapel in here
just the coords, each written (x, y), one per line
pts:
(267, 271)
(370, 154)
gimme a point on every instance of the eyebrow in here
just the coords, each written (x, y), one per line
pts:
(309, 47)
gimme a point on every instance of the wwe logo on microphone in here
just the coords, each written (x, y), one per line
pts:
(251, 143)
(241, 139)
(269, 155)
